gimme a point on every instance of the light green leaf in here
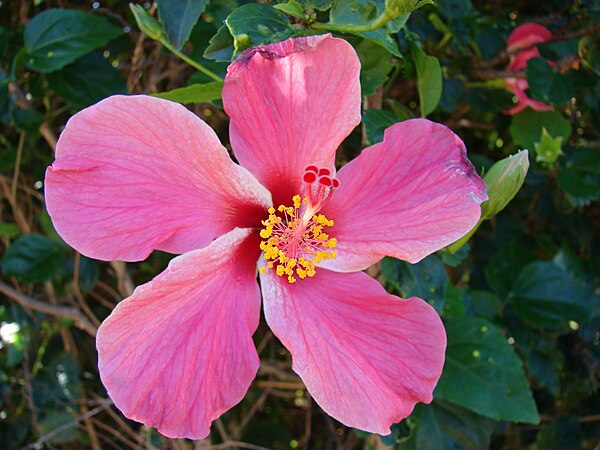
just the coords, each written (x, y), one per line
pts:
(195, 93)
(549, 148)
(429, 80)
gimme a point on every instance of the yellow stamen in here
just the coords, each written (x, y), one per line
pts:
(294, 240)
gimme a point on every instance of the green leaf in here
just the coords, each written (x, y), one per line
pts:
(87, 81)
(429, 80)
(348, 14)
(291, 8)
(580, 178)
(32, 258)
(57, 37)
(484, 374)
(220, 46)
(195, 93)
(547, 85)
(546, 296)
(526, 127)
(374, 66)
(426, 279)
(256, 24)
(179, 17)
(8, 230)
(376, 121)
(442, 426)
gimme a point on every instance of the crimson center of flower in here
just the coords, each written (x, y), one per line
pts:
(294, 239)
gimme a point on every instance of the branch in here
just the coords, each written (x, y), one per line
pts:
(53, 310)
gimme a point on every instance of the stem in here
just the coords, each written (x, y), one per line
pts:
(380, 21)
(191, 62)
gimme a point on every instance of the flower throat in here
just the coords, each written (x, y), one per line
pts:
(293, 236)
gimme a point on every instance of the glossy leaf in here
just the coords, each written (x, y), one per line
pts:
(57, 37)
(441, 426)
(546, 84)
(484, 374)
(87, 81)
(546, 296)
(178, 17)
(427, 279)
(255, 24)
(33, 258)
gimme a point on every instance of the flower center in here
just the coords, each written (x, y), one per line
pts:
(293, 236)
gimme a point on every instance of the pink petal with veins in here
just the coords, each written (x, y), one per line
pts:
(178, 353)
(405, 197)
(135, 174)
(366, 357)
(291, 104)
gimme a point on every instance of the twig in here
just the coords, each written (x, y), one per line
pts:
(15, 180)
(66, 426)
(231, 444)
(54, 310)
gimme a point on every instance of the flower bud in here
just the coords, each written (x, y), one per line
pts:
(148, 24)
(503, 181)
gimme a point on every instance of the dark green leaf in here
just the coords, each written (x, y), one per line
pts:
(255, 24)
(220, 46)
(179, 17)
(481, 303)
(443, 426)
(546, 296)
(33, 258)
(580, 178)
(547, 85)
(483, 373)
(195, 93)
(88, 80)
(561, 434)
(426, 279)
(57, 37)
(376, 121)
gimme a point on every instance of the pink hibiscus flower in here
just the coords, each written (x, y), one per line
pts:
(135, 174)
(524, 37)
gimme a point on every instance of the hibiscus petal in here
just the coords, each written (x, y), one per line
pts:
(527, 34)
(135, 174)
(178, 353)
(291, 104)
(405, 197)
(518, 86)
(366, 357)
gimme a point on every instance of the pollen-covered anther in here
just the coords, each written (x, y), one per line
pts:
(294, 239)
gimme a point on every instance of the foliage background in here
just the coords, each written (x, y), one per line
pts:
(519, 300)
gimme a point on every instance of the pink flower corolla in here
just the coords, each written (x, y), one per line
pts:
(135, 174)
(521, 44)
